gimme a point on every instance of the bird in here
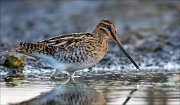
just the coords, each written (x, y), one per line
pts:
(75, 51)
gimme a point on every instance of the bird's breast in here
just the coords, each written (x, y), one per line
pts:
(80, 58)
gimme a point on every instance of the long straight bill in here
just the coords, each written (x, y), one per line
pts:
(125, 52)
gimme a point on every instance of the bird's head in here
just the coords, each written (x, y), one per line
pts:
(106, 29)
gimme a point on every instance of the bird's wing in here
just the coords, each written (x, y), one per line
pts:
(58, 43)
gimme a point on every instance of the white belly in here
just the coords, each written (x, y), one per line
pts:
(65, 66)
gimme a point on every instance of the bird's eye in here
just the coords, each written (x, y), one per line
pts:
(109, 27)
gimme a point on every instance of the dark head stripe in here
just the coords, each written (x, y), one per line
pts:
(107, 21)
(105, 30)
(104, 23)
(107, 27)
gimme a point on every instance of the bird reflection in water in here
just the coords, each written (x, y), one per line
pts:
(69, 94)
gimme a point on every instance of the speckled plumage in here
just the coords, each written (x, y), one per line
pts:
(75, 51)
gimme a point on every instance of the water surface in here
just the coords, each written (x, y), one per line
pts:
(112, 89)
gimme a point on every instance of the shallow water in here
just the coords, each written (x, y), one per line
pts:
(112, 89)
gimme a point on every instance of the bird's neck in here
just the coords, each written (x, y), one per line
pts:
(101, 37)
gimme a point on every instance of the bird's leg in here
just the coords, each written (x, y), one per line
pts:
(53, 76)
(71, 74)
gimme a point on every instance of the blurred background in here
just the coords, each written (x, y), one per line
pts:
(36, 20)
(149, 30)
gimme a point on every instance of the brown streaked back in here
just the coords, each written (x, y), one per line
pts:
(55, 44)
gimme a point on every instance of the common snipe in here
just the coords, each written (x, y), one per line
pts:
(76, 51)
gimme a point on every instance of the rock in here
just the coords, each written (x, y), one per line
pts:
(14, 62)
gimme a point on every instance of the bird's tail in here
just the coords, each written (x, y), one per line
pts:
(18, 49)
(23, 49)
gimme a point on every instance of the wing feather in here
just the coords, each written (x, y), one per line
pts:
(58, 43)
